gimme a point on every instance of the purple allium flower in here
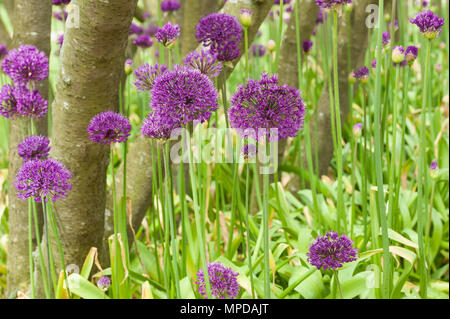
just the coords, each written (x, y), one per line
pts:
(3, 51)
(143, 41)
(363, 74)
(183, 95)
(58, 16)
(332, 4)
(264, 104)
(386, 38)
(103, 283)
(30, 103)
(135, 29)
(223, 281)
(26, 64)
(258, 50)
(128, 67)
(320, 17)
(109, 127)
(168, 34)
(398, 55)
(146, 74)
(60, 2)
(221, 33)
(34, 148)
(205, 62)
(307, 46)
(277, 2)
(331, 251)
(47, 178)
(151, 30)
(170, 5)
(155, 128)
(249, 150)
(374, 64)
(411, 54)
(8, 101)
(357, 130)
(434, 170)
(430, 25)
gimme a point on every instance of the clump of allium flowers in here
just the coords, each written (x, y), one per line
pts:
(104, 283)
(332, 4)
(170, 5)
(411, 54)
(223, 282)
(205, 62)
(109, 127)
(331, 251)
(168, 34)
(26, 64)
(143, 41)
(221, 33)
(155, 128)
(183, 95)
(307, 46)
(258, 50)
(430, 24)
(363, 74)
(146, 74)
(264, 104)
(34, 148)
(47, 178)
(3, 51)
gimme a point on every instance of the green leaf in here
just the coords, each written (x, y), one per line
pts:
(84, 288)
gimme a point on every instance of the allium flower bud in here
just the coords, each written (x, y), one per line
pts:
(434, 170)
(307, 46)
(246, 18)
(398, 54)
(411, 54)
(271, 45)
(128, 66)
(103, 283)
(357, 130)
(363, 75)
(352, 78)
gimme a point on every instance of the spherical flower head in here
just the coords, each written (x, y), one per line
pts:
(128, 67)
(262, 105)
(332, 4)
(109, 127)
(168, 34)
(374, 64)
(26, 64)
(104, 283)
(146, 74)
(183, 95)
(430, 25)
(3, 51)
(30, 103)
(363, 75)
(143, 41)
(170, 5)
(8, 101)
(258, 50)
(135, 29)
(249, 150)
(154, 127)
(246, 18)
(386, 38)
(307, 46)
(223, 282)
(60, 2)
(221, 33)
(398, 54)
(434, 170)
(205, 62)
(331, 251)
(47, 178)
(34, 148)
(357, 130)
(411, 54)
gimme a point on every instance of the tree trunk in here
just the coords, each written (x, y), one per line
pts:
(32, 25)
(92, 60)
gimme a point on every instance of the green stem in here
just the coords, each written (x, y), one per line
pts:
(336, 277)
(30, 247)
(266, 227)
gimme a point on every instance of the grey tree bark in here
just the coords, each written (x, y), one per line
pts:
(140, 189)
(92, 60)
(32, 25)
